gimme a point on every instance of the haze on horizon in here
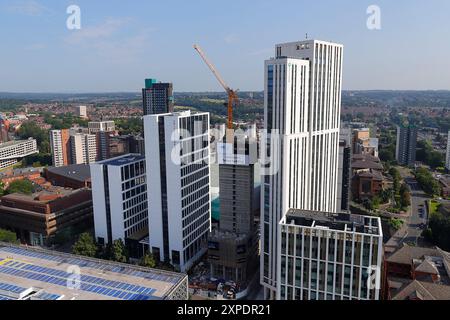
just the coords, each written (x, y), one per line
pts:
(120, 44)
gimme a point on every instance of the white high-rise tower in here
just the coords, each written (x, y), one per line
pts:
(303, 102)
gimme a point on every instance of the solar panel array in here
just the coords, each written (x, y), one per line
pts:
(46, 296)
(11, 288)
(173, 279)
(109, 288)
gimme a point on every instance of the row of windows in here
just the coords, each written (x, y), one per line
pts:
(192, 167)
(134, 192)
(194, 177)
(195, 186)
(194, 196)
(135, 210)
(194, 226)
(133, 202)
(197, 204)
(133, 183)
(195, 215)
(142, 217)
(201, 230)
(133, 170)
(195, 247)
(136, 228)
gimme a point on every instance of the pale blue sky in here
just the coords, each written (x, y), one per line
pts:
(123, 42)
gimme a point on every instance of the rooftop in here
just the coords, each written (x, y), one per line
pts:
(79, 172)
(122, 160)
(420, 290)
(13, 143)
(30, 273)
(334, 221)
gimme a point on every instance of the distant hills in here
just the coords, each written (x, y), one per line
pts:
(350, 98)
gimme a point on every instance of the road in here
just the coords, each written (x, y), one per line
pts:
(418, 219)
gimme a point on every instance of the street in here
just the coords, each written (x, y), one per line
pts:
(418, 218)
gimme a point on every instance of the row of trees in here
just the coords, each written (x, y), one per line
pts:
(129, 126)
(427, 182)
(427, 154)
(86, 246)
(63, 121)
(438, 231)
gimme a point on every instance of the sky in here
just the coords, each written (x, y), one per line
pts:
(121, 43)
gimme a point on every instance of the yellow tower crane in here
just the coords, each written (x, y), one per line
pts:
(232, 94)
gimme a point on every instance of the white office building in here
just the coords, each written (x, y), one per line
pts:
(13, 151)
(81, 111)
(302, 102)
(119, 194)
(329, 256)
(101, 126)
(178, 172)
(447, 159)
(83, 148)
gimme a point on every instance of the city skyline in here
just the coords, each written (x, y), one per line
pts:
(116, 39)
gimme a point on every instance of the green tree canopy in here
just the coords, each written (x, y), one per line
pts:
(426, 180)
(8, 236)
(148, 261)
(20, 186)
(118, 251)
(32, 130)
(85, 246)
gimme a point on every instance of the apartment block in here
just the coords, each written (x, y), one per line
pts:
(119, 191)
(329, 256)
(177, 157)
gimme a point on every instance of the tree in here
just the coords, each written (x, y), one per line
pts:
(405, 196)
(376, 201)
(85, 246)
(397, 178)
(8, 236)
(32, 130)
(20, 186)
(396, 223)
(148, 261)
(426, 154)
(118, 251)
(2, 188)
(440, 230)
(427, 182)
(386, 195)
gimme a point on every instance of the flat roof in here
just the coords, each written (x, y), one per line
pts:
(122, 160)
(334, 221)
(44, 271)
(79, 172)
(14, 142)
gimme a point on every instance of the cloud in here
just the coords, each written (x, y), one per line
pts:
(101, 31)
(112, 40)
(28, 8)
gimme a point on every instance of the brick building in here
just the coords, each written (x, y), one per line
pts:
(415, 273)
(75, 176)
(37, 217)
